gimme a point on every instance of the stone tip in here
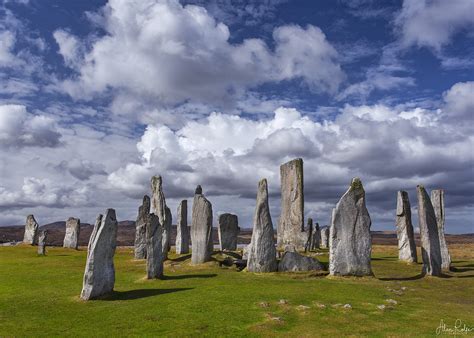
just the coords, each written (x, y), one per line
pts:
(156, 180)
(198, 190)
(310, 220)
(356, 183)
(263, 181)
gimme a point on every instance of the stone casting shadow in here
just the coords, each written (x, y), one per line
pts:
(140, 293)
(174, 277)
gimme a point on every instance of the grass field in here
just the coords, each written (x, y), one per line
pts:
(39, 297)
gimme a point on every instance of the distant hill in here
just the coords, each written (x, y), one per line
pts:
(126, 235)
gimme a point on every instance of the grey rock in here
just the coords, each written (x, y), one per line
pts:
(31, 231)
(245, 251)
(73, 229)
(228, 230)
(182, 230)
(43, 236)
(309, 228)
(99, 275)
(437, 199)
(405, 235)
(430, 245)
(291, 223)
(154, 242)
(140, 247)
(316, 238)
(159, 208)
(325, 237)
(201, 229)
(262, 251)
(293, 261)
(350, 243)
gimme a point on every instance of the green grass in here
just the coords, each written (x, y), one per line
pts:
(39, 296)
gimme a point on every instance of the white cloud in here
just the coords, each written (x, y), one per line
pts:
(18, 128)
(460, 102)
(69, 47)
(432, 23)
(162, 50)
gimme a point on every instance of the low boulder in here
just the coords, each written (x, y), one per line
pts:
(293, 261)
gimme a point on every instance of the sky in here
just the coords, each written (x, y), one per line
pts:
(98, 96)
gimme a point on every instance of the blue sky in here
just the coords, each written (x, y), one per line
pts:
(97, 96)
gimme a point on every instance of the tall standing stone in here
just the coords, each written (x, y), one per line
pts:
(324, 237)
(430, 247)
(349, 241)
(262, 251)
(291, 224)
(43, 236)
(31, 231)
(99, 275)
(182, 230)
(406, 238)
(309, 229)
(316, 242)
(228, 230)
(154, 241)
(73, 229)
(201, 228)
(437, 199)
(159, 208)
(140, 247)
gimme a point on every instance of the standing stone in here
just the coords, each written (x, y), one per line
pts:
(430, 245)
(437, 199)
(182, 230)
(316, 241)
(140, 229)
(262, 251)
(324, 237)
(291, 224)
(154, 241)
(73, 229)
(201, 228)
(159, 208)
(349, 240)
(99, 275)
(309, 228)
(228, 231)
(43, 236)
(406, 238)
(31, 231)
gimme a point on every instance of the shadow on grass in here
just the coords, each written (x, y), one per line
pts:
(461, 269)
(228, 253)
(180, 259)
(140, 293)
(419, 276)
(177, 277)
(383, 258)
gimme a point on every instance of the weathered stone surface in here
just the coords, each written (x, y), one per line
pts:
(228, 230)
(31, 231)
(43, 236)
(430, 247)
(437, 199)
(245, 251)
(350, 243)
(154, 241)
(159, 208)
(73, 229)
(140, 247)
(182, 230)
(406, 238)
(99, 275)
(325, 237)
(309, 229)
(316, 238)
(262, 251)
(201, 229)
(293, 261)
(291, 224)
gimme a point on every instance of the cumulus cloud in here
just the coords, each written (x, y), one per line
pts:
(173, 53)
(18, 128)
(389, 148)
(432, 23)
